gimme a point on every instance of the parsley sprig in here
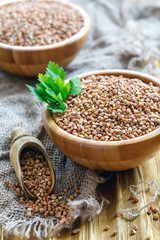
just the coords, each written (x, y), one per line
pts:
(52, 88)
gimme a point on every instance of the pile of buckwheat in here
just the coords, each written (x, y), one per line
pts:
(111, 108)
(36, 176)
(37, 23)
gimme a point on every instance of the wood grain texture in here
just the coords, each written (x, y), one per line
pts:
(29, 61)
(105, 155)
(20, 141)
(116, 191)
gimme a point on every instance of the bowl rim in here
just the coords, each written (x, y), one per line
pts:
(75, 37)
(48, 120)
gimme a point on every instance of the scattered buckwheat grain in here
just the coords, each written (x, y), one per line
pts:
(135, 227)
(106, 228)
(132, 197)
(155, 217)
(151, 208)
(6, 183)
(75, 231)
(136, 200)
(133, 232)
(115, 232)
(118, 214)
(155, 210)
(148, 238)
(47, 205)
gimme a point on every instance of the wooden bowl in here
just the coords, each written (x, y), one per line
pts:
(107, 155)
(29, 61)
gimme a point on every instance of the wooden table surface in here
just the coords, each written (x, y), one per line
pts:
(116, 191)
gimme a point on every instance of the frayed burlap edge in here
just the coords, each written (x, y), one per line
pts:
(48, 227)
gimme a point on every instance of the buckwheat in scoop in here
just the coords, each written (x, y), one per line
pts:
(111, 108)
(36, 176)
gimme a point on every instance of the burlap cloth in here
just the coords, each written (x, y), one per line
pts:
(124, 34)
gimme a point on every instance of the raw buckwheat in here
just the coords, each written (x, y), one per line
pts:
(36, 176)
(37, 23)
(111, 108)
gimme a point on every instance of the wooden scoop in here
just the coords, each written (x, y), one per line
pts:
(20, 141)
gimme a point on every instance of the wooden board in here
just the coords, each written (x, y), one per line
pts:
(116, 191)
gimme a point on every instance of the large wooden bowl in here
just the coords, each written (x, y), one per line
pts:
(29, 61)
(107, 155)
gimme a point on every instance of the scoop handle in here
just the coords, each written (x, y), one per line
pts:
(16, 132)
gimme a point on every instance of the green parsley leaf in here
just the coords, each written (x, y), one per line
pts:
(66, 91)
(75, 84)
(55, 71)
(52, 88)
(56, 108)
(38, 95)
(52, 93)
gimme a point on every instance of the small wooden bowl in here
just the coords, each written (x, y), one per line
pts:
(108, 155)
(29, 61)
